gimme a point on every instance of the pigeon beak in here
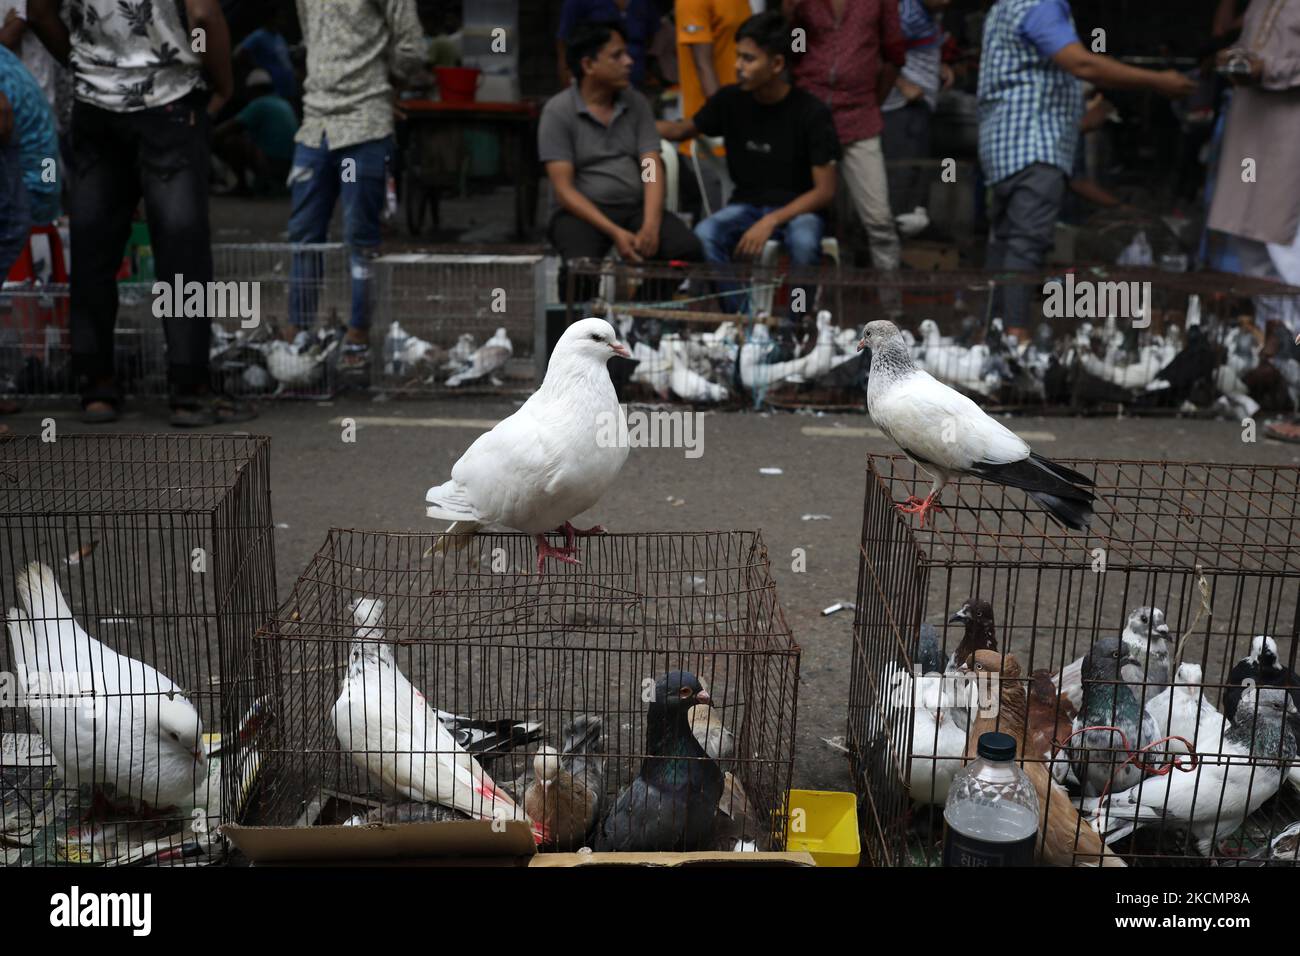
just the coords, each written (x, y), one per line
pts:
(200, 757)
(959, 616)
(862, 344)
(703, 698)
(1162, 629)
(1297, 340)
(618, 348)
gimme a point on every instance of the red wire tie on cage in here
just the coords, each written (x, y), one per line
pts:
(1135, 757)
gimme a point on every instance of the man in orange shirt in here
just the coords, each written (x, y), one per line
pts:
(706, 47)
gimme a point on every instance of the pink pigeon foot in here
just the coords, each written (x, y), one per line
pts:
(546, 550)
(570, 533)
(920, 507)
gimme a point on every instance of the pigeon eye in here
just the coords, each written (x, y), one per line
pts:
(595, 336)
(684, 692)
(173, 735)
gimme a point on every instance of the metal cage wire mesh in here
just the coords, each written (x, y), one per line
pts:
(436, 297)
(1214, 546)
(483, 638)
(162, 548)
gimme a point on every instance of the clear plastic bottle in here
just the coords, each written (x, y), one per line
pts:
(991, 817)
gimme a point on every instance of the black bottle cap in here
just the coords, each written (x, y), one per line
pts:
(996, 746)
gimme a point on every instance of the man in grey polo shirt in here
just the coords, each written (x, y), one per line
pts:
(598, 141)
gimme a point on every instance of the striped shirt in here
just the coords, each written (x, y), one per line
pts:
(923, 35)
(1029, 108)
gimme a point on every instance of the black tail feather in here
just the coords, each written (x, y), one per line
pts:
(1073, 513)
(1066, 474)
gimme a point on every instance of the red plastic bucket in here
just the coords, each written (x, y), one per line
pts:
(458, 84)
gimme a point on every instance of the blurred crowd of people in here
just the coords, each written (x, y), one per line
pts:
(107, 103)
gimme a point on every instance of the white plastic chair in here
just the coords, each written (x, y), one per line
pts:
(762, 294)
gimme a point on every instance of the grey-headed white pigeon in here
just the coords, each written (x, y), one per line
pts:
(389, 730)
(947, 434)
(108, 719)
(551, 460)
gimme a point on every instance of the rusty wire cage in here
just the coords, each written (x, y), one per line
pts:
(1215, 547)
(161, 547)
(486, 640)
(429, 300)
(302, 288)
(1063, 363)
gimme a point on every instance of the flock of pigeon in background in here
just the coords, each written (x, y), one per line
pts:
(260, 362)
(1114, 742)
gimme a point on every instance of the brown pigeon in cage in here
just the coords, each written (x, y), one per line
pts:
(1064, 838)
(108, 719)
(389, 730)
(1214, 800)
(567, 785)
(549, 461)
(672, 803)
(946, 435)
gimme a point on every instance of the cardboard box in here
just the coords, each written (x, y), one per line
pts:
(460, 843)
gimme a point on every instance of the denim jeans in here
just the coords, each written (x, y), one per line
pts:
(1025, 208)
(801, 236)
(162, 154)
(319, 177)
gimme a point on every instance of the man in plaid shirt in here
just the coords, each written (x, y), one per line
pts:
(1032, 71)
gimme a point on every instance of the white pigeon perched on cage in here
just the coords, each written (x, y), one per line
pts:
(946, 434)
(1214, 800)
(392, 734)
(488, 359)
(108, 719)
(548, 462)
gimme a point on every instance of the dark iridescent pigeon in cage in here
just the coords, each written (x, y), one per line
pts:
(672, 804)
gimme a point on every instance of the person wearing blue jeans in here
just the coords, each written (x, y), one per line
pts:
(721, 232)
(319, 178)
(345, 144)
(781, 153)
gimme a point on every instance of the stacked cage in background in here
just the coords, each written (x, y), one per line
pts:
(525, 659)
(437, 310)
(158, 548)
(1214, 548)
(292, 346)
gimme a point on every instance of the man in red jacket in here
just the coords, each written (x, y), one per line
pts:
(853, 52)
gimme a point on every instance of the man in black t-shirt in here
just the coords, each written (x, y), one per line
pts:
(781, 152)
